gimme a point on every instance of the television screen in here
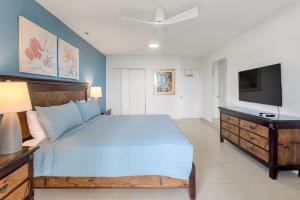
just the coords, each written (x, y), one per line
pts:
(261, 85)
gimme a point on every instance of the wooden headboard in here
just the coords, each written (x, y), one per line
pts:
(46, 92)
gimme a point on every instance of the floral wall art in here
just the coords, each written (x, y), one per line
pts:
(164, 82)
(68, 60)
(37, 49)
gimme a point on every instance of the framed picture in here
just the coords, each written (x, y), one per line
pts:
(68, 59)
(164, 82)
(37, 49)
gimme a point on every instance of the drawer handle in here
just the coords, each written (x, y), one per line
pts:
(4, 188)
(251, 148)
(252, 138)
(253, 127)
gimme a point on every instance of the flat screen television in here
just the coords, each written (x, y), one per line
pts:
(261, 85)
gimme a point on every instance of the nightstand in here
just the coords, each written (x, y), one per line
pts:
(16, 175)
(105, 111)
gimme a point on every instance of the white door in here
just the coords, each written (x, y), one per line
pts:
(216, 93)
(137, 93)
(219, 80)
(125, 92)
(117, 92)
(129, 92)
(190, 93)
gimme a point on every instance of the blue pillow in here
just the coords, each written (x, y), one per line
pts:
(88, 109)
(56, 120)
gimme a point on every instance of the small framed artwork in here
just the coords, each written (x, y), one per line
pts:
(164, 82)
(68, 59)
(37, 49)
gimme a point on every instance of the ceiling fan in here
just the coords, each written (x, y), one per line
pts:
(160, 17)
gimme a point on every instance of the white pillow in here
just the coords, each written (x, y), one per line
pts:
(34, 126)
(31, 143)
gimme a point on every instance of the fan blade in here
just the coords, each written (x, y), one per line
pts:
(137, 20)
(189, 14)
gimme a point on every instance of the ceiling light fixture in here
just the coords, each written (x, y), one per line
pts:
(154, 45)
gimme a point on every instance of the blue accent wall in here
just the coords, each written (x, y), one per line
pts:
(92, 61)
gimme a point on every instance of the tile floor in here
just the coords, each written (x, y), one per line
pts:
(223, 173)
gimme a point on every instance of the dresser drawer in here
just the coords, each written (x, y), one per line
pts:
(20, 193)
(230, 136)
(230, 127)
(255, 139)
(230, 119)
(255, 150)
(255, 128)
(288, 147)
(11, 181)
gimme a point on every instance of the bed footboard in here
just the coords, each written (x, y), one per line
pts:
(192, 183)
(110, 182)
(119, 182)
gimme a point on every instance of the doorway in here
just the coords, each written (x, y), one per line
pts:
(219, 87)
(190, 95)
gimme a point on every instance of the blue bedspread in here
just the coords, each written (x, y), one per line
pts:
(112, 146)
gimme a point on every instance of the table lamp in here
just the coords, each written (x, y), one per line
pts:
(96, 92)
(14, 97)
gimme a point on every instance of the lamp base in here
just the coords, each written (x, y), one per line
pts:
(10, 134)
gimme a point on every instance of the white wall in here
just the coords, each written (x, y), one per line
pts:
(276, 40)
(155, 104)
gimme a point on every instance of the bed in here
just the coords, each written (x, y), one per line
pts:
(141, 152)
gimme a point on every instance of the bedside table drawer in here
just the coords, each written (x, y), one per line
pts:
(20, 193)
(12, 180)
(106, 112)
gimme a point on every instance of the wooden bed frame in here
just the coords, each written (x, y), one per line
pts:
(45, 92)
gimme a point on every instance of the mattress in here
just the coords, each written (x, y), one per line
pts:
(114, 146)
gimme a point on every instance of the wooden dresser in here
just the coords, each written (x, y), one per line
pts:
(274, 141)
(16, 175)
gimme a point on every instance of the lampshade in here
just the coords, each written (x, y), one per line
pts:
(96, 92)
(14, 97)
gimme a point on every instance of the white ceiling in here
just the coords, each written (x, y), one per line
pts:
(218, 21)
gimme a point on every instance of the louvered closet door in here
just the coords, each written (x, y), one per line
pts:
(137, 92)
(117, 92)
(125, 92)
(129, 92)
